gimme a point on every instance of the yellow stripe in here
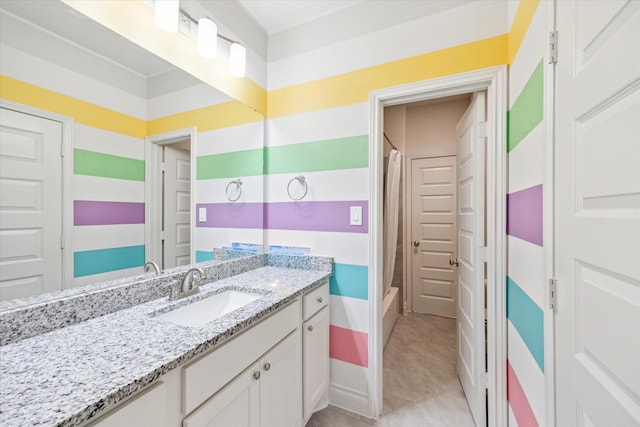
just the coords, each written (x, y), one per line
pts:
(82, 111)
(354, 87)
(520, 26)
(208, 118)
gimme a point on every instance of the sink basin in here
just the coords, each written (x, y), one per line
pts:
(210, 308)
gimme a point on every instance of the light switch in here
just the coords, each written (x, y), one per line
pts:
(356, 215)
(202, 214)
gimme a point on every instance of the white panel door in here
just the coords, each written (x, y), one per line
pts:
(470, 363)
(30, 205)
(597, 213)
(177, 207)
(433, 229)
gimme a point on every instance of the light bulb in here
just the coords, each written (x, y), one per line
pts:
(237, 60)
(167, 13)
(207, 38)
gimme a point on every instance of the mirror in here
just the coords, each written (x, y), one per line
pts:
(133, 115)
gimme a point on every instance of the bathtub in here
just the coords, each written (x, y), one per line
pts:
(389, 314)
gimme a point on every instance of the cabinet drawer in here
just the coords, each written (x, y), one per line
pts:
(208, 374)
(315, 300)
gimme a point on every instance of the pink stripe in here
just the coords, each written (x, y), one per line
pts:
(348, 346)
(518, 400)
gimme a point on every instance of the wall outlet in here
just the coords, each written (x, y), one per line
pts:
(356, 215)
(202, 214)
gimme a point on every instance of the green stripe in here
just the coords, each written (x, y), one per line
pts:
(230, 165)
(528, 319)
(527, 112)
(350, 280)
(342, 153)
(107, 166)
(86, 263)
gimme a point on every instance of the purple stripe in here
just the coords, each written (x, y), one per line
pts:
(231, 215)
(524, 214)
(315, 216)
(89, 212)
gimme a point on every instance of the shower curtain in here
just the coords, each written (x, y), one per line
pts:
(390, 222)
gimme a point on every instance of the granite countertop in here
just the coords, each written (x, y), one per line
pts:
(70, 375)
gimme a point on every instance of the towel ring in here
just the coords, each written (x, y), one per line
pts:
(301, 179)
(234, 187)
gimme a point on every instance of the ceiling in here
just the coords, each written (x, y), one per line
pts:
(278, 15)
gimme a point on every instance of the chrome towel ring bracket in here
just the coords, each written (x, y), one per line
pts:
(303, 183)
(234, 190)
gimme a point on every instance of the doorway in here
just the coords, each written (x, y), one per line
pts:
(492, 81)
(169, 194)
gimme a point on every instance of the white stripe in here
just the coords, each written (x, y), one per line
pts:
(191, 98)
(527, 161)
(480, 20)
(103, 277)
(350, 313)
(215, 190)
(91, 237)
(87, 187)
(28, 68)
(531, 51)
(345, 248)
(528, 372)
(526, 268)
(247, 136)
(512, 417)
(348, 375)
(104, 141)
(341, 184)
(330, 123)
(208, 238)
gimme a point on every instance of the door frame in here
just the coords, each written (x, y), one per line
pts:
(493, 80)
(153, 190)
(67, 181)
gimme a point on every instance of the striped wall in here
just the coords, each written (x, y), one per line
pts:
(526, 159)
(318, 126)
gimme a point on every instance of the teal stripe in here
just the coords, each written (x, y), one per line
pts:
(202, 256)
(528, 319)
(527, 112)
(230, 165)
(342, 153)
(86, 263)
(350, 281)
(107, 166)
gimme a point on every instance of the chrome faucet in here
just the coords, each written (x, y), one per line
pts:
(190, 285)
(149, 265)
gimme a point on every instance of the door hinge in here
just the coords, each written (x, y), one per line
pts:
(483, 380)
(62, 149)
(552, 293)
(553, 47)
(62, 241)
(482, 130)
(162, 236)
(482, 253)
(162, 166)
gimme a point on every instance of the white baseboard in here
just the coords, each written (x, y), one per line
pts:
(348, 399)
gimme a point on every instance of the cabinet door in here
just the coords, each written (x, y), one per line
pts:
(237, 404)
(281, 384)
(316, 361)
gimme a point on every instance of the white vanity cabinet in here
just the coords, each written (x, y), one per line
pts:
(266, 394)
(315, 332)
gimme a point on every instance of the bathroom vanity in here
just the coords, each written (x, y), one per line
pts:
(265, 362)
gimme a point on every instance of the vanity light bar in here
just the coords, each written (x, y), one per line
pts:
(170, 17)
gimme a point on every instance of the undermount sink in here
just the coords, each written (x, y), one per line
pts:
(208, 309)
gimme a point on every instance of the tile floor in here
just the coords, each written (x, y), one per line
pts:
(420, 383)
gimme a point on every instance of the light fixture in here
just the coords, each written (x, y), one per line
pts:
(167, 13)
(207, 38)
(237, 60)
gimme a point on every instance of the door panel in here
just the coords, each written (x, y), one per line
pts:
(597, 217)
(30, 205)
(433, 189)
(470, 363)
(177, 207)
